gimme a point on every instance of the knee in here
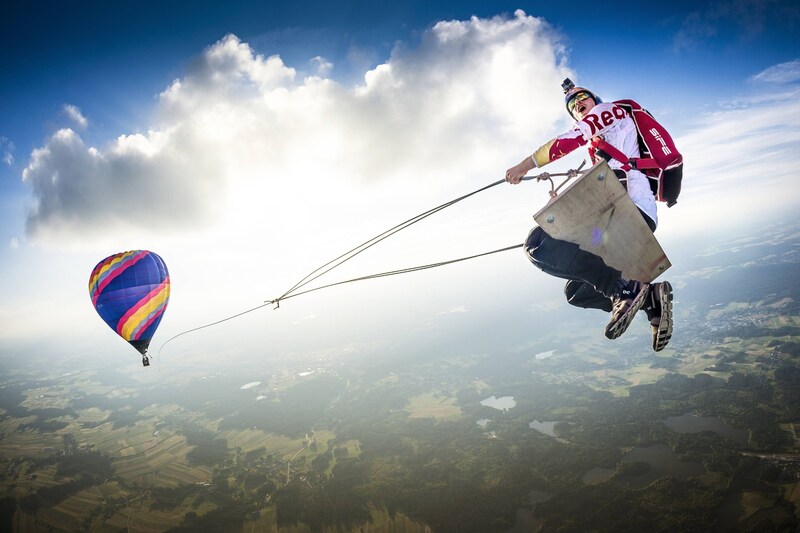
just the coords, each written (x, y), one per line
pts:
(536, 238)
(548, 253)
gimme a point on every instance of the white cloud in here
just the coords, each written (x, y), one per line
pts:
(239, 133)
(138, 182)
(740, 163)
(75, 115)
(14, 244)
(321, 66)
(782, 73)
(249, 176)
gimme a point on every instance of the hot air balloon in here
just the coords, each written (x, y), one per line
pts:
(130, 291)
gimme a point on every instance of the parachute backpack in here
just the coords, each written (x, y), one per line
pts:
(660, 160)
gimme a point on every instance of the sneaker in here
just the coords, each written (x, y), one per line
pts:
(625, 304)
(659, 313)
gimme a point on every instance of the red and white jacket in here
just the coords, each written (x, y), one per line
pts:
(613, 124)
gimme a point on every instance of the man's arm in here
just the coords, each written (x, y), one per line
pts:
(547, 153)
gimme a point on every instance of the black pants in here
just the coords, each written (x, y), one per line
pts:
(591, 283)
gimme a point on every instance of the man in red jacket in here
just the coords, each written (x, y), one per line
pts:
(592, 283)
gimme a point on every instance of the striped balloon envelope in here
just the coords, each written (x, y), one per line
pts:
(130, 291)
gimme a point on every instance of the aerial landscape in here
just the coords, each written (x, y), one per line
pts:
(567, 434)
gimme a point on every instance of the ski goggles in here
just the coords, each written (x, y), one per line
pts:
(579, 97)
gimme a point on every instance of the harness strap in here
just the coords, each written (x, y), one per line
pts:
(639, 163)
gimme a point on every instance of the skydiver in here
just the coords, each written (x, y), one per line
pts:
(591, 283)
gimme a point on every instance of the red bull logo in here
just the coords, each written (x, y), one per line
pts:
(604, 119)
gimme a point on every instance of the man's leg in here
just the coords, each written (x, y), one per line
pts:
(566, 260)
(658, 307)
(582, 294)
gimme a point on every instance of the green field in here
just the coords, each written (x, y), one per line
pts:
(379, 522)
(434, 405)
(253, 439)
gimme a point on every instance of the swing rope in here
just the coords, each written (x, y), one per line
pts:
(350, 254)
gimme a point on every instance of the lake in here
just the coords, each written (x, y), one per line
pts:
(526, 519)
(663, 461)
(501, 404)
(689, 423)
(548, 428)
(597, 475)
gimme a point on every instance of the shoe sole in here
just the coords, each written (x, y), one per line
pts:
(625, 320)
(663, 332)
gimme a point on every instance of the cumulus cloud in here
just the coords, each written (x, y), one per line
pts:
(782, 73)
(240, 128)
(74, 114)
(137, 181)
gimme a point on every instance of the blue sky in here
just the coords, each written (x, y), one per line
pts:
(269, 132)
